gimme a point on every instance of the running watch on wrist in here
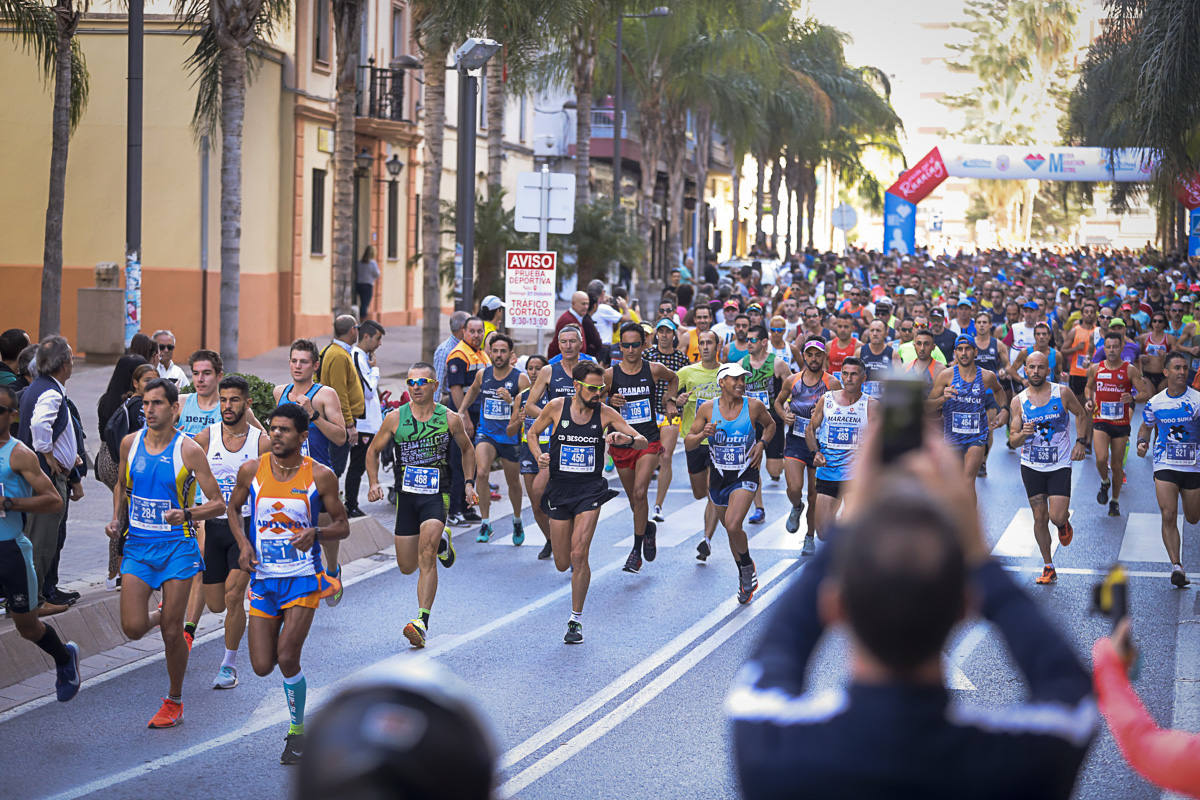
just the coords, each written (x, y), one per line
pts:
(8, 504)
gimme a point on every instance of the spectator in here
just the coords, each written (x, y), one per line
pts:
(167, 368)
(491, 311)
(607, 314)
(337, 372)
(365, 278)
(142, 345)
(578, 314)
(47, 429)
(457, 320)
(12, 342)
(370, 336)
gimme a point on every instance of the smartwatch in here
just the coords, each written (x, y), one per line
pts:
(8, 504)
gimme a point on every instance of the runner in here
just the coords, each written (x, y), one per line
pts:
(1041, 344)
(765, 376)
(844, 345)
(1040, 421)
(833, 433)
(877, 356)
(1155, 344)
(159, 470)
(665, 352)
(421, 431)
(794, 404)
(518, 424)
(576, 487)
(632, 390)
(702, 317)
(698, 384)
(25, 489)
(738, 346)
(1078, 345)
(1173, 416)
(498, 383)
(228, 444)
(778, 345)
(991, 355)
(1110, 388)
(923, 364)
(285, 491)
(327, 427)
(735, 450)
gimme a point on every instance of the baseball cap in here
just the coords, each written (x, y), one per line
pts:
(815, 344)
(732, 304)
(1032, 304)
(1116, 322)
(964, 301)
(666, 323)
(1110, 282)
(491, 303)
(884, 301)
(963, 338)
(733, 370)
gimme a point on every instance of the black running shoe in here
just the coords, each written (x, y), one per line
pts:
(471, 515)
(633, 563)
(703, 551)
(354, 512)
(1179, 578)
(574, 633)
(649, 545)
(1114, 508)
(546, 551)
(747, 583)
(293, 749)
(1102, 495)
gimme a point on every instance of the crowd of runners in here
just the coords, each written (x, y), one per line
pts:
(764, 382)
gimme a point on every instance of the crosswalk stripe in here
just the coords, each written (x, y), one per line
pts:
(1017, 540)
(1143, 539)
(533, 534)
(776, 537)
(678, 527)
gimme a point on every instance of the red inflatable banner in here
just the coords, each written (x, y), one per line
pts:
(1188, 191)
(925, 176)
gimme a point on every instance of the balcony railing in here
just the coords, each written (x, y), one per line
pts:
(603, 120)
(381, 93)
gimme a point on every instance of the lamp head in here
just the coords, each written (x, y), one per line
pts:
(474, 53)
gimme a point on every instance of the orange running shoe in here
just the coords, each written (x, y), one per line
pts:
(1065, 534)
(1049, 575)
(170, 715)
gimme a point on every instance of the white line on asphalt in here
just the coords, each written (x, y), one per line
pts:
(1017, 540)
(651, 690)
(1081, 571)
(679, 526)
(1143, 539)
(633, 674)
(958, 656)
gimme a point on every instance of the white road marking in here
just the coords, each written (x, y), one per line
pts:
(775, 537)
(1017, 540)
(959, 655)
(1143, 539)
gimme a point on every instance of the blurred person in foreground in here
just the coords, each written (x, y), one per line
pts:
(898, 574)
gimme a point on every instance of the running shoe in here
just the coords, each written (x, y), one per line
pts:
(1049, 575)
(1065, 534)
(546, 551)
(333, 595)
(495, 495)
(293, 749)
(170, 715)
(189, 637)
(983, 470)
(1102, 495)
(703, 550)
(1179, 578)
(658, 515)
(471, 515)
(1114, 508)
(226, 678)
(354, 512)
(757, 517)
(485, 533)
(609, 466)
(574, 633)
(633, 563)
(518, 538)
(415, 631)
(66, 678)
(446, 552)
(747, 583)
(810, 545)
(649, 542)
(493, 486)
(793, 520)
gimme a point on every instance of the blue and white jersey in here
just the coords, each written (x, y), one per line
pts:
(156, 484)
(729, 446)
(1176, 422)
(1049, 448)
(965, 415)
(841, 429)
(495, 413)
(193, 419)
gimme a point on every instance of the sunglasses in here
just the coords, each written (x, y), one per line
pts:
(416, 383)
(594, 387)
(166, 347)
(753, 339)
(778, 330)
(630, 345)
(7, 410)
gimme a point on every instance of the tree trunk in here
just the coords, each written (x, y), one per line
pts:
(431, 196)
(776, 178)
(675, 151)
(233, 113)
(738, 160)
(652, 135)
(810, 189)
(759, 188)
(50, 316)
(583, 69)
(1031, 190)
(347, 16)
(703, 153)
(487, 267)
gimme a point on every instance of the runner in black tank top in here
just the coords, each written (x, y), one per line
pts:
(991, 355)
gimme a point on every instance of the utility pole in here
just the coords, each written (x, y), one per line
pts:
(133, 174)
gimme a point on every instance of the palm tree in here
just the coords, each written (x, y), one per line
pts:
(224, 31)
(49, 34)
(347, 25)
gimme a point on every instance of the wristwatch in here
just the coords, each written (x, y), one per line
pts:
(315, 416)
(8, 504)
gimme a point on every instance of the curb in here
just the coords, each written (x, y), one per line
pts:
(94, 623)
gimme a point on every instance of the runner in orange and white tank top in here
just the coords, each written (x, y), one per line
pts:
(1111, 387)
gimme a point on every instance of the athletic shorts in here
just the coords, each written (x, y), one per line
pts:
(627, 457)
(697, 460)
(829, 488)
(720, 487)
(1078, 383)
(220, 550)
(412, 509)
(778, 445)
(528, 465)
(270, 596)
(796, 448)
(507, 451)
(1156, 379)
(1055, 483)
(963, 447)
(1186, 481)
(156, 562)
(1114, 431)
(18, 579)
(566, 501)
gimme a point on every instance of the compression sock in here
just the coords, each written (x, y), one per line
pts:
(54, 647)
(423, 613)
(485, 521)
(577, 616)
(294, 689)
(744, 559)
(230, 658)
(189, 627)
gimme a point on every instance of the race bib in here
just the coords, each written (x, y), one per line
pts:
(964, 422)
(147, 514)
(1180, 454)
(304, 447)
(277, 550)
(3, 513)
(842, 437)
(227, 486)
(495, 408)
(577, 458)
(761, 397)
(1112, 410)
(800, 426)
(422, 480)
(728, 456)
(637, 411)
(1042, 453)
(1082, 360)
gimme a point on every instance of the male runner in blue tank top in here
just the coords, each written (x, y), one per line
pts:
(834, 431)
(326, 427)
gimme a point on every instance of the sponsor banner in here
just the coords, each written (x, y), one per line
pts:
(1188, 191)
(529, 288)
(1194, 232)
(899, 224)
(915, 184)
(1047, 163)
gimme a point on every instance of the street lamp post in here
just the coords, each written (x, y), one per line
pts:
(619, 112)
(473, 55)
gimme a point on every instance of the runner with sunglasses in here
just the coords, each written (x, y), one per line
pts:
(421, 431)
(766, 374)
(1156, 343)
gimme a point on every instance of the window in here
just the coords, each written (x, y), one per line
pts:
(318, 212)
(398, 47)
(393, 219)
(321, 31)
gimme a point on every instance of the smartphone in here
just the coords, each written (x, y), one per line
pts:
(903, 417)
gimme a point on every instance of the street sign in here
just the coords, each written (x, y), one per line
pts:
(548, 196)
(845, 217)
(529, 288)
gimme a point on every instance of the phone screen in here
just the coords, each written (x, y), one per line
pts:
(903, 417)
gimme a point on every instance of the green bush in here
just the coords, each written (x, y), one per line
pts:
(262, 395)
